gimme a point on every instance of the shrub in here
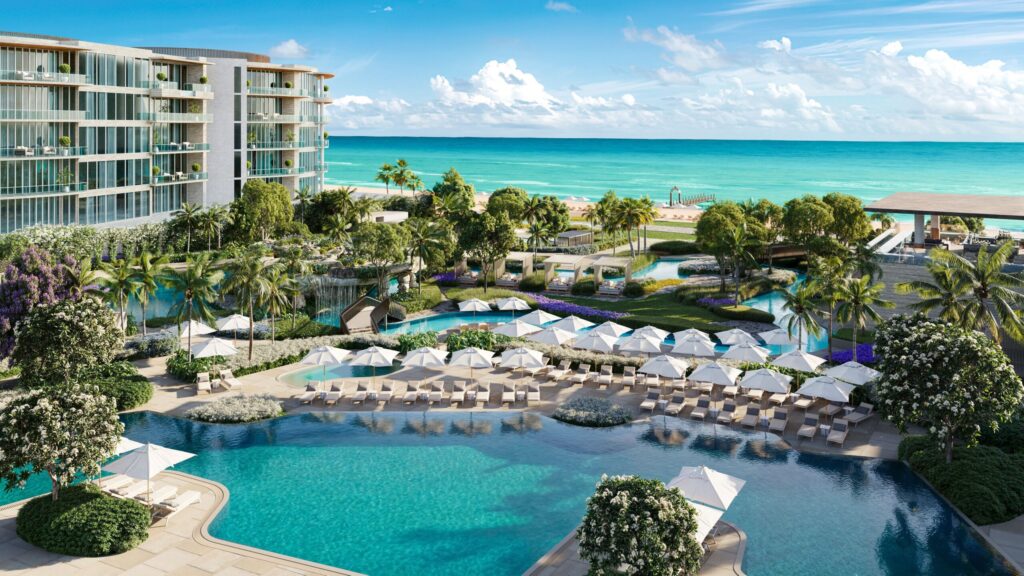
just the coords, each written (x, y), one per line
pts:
(532, 282)
(652, 286)
(712, 302)
(584, 288)
(593, 412)
(130, 392)
(407, 342)
(152, 346)
(64, 68)
(181, 367)
(675, 247)
(475, 339)
(1009, 437)
(84, 522)
(563, 308)
(236, 409)
(633, 290)
(203, 79)
(741, 312)
(425, 297)
(865, 354)
(446, 279)
(196, 166)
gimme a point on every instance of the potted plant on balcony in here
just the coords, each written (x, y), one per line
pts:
(251, 138)
(287, 84)
(327, 88)
(156, 172)
(194, 108)
(196, 167)
(64, 68)
(65, 178)
(289, 136)
(203, 79)
(288, 164)
(248, 165)
(65, 144)
(161, 76)
(248, 83)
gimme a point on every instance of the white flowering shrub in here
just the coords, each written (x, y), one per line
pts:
(947, 379)
(241, 408)
(594, 412)
(81, 242)
(638, 526)
(285, 352)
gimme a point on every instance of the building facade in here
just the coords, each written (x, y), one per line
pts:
(94, 134)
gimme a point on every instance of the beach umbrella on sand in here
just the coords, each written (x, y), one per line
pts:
(552, 336)
(235, 322)
(690, 333)
(707, 486)
(472, 358)
(145, 462)
(666, 366)
(650, 332)
(610, 328)
(374, 357)
(735, 336)
(852, 372)
(325, 356)
(572, 324)
(597, 342)
(746, 353)
(715, 373)
(778, 337)
(425, 357)
(694, 346)
(516, 329)
(539, 318)
(826, 388)
(512, 304)
(642, 344)
(474, 305)
(213, 347)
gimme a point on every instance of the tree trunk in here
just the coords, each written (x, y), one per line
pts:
(854, 342)
(645, 237)
(629, 236)
(190, 329)
(142, 304)
(252, 329)
(218, 239)
(54, 488)
(831, 330)
(273, 333)
(295, 307)
(948, 441)
(188, 240)
(736, 271)
(770, 255)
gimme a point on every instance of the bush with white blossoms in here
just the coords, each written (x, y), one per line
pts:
(86, 242)
(638, 526)
(234, 409)
(263, 357)
(947, 379)
(594, 412)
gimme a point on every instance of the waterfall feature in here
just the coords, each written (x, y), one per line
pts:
(331, 296)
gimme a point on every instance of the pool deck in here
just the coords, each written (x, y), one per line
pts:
(181, 546)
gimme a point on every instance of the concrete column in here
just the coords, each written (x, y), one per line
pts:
(576, 273)
(918, 228)
(549, 272)
(936, 227)
(598, 275)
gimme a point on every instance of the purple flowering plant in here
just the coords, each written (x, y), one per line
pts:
(31, 279)
(865, 354)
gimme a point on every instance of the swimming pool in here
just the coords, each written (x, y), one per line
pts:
(775, 303)
(441, 322)
(314, 374)
(458, 493)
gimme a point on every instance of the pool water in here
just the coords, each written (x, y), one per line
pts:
(314, 374)
(775, 303)
(441, 322)
(459, 493)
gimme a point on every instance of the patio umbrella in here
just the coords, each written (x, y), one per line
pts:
(650, 332)
(512, 304)
(746, 353)
(610, 328)
(325, 356)
(798, 360)
(213, 347)
(474, 305)
(690, 333)
(694, 346)
(666, 366)
(374, 357)
(552, 336)
(572, 324)
(472, 358)
(853, 372)
(539, 318)
(766, 379)
(425, 357)
(826, 388)
(642, 344)
(126, 445)
(707, 517)
(715, 373)
(735, 336)
(235, 322)
(145, 462)
(596, 342)
(707, 486)
(778, 337)
(516, 329)
(516, 358)
(195, 327)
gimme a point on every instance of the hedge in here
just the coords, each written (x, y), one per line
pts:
(674, 247)
(83, 522)
(483, 339)
(1009, 437)
(591, 412)
(533, 282)
(584, 288)
(407, 342)
(181, 367)
(633, 290)
(741, 312)
(424, 297)
(152, 346)
(122, 382)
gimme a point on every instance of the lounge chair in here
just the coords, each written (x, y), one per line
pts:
(437, 393)
(752, 418)
(861, 413)
(731, 391)
(728, 414)
(582, 375)
(829, 410)
(372, 391)
(803, 403)
(779, 420)
(755, 395)
(388, 390)
(540, 369)
(679, 384)
(333, 395)
(778, 399)
(606, 376)
(412, 392)
(652, 380)
(159, 495)
(561, 372)
(309, 395)
(837, 435)
(228, 380)
(483, 392)
(700, 412)
(508, 394)
(362, 391)
(532, 394)
(629, 376)
(114, 482)
(809, 429)
(131, 491)
(169, 508)
(459, 392)
(676, 404)
(203, 384)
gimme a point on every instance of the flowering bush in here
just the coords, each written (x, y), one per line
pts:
(445, 279)
(641, 525)
(559, 353)
(153, 345)
(32, 279)
(594, 412)
(949, 380)
(234, 409)
(865, 354)
(710, 302)
(568, 308)
(87, 242)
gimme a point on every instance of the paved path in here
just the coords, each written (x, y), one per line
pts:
(1009, 537)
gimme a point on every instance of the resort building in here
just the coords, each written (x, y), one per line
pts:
(95, 134)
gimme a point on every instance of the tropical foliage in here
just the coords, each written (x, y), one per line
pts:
(32, 279)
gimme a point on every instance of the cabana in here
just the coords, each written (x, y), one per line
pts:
(612, 287)
(573, 238)
(921, 204)
(562, 262)
(508, 280)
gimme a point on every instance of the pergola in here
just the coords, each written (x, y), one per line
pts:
(922, 204)
(526, 258)
(572, 238)
(563, 261)
(624, 264)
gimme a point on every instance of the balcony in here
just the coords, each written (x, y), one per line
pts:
(257, 172)
(176, 117)
(282, 118)
(56, 115)
(179, 177)
(159, 89)
(42, 77)
(320, 168)
(174, 147)
(41, 152)
(274, 91)
(41, 188)
(276, 145)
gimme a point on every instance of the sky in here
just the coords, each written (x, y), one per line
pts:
(948, 70)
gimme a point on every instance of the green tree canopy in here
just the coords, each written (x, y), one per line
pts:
(487, 238)
(327, 205)
(380, 246)
(850, 223)
(455, 193)
(263, 208)
(510, 201)
(805, 219)
(715, 231)
(554, 214)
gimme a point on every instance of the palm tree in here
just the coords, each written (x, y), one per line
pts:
(987, 298)
(362, 208)
(629, 217)
(426, 238)
(296, 265)
(197, 284)
(539, 233)
(862, 260)
(740, 246)
(208, 226)
(248, 283)
(648, 213)
(885, 221)
(279, 290)
(942, 293)
(336, 228)
(304, 197)
(829, 275)
(221, 216)
(591, 213)
(533, 208)
(801, 306)
(386, 175)
(84, 279)
(857, 299)
(401, 175)
(120, 282)
(189, 217)
(148, 273)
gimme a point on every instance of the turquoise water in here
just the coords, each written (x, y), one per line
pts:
(445, 493)
(312, 375)
(729, 169)
(775, 303)
(441, 322)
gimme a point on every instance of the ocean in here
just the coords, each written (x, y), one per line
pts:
(728, 169)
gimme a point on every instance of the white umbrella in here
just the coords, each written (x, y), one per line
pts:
(708, 486)
(650, 332)
(521, 358)
(539, 318)
(552, 336)
(610, 328)
(746, 353)
(325, 356)
(374, 357)
(798, 360)
(474, 305)
(666, 366)
(147, 461)
(235, 322)
(852, 372)
(516, 329)
(694, 346)
(707, 517)
(572, 324)
(827, 388)
(596, 342)
(643, 344)
(425, 357)
(196, 328)
(126, 445)
(213, 347)
(778, 337)
(715, 373)
(735, 336)
(512, 304)
(690, 333)
(766, 379)
(472, 358)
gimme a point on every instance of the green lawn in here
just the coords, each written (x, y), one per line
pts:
(675, 224)
(659, 235)
(863, 336)
(661, 310)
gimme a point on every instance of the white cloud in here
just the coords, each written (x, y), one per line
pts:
(289, 49)
(782, 45)
(496, 84)
(682, 50)
(354, 112)
(388, 9)
(554, 6)
(755, 6)
(629, 100)
(892, 48)
(777, 106)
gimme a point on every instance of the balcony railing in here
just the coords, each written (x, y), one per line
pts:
(183, 147)
(276, 144)
(41, 151)
(41, 188)
(324, 143)
(176, 117)
(275, 91)
(56, 77)
(255, 172)
(288, 118)
(319, 167)
(42, 114)
(179, 177)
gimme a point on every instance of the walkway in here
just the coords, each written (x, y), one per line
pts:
(1009, 537)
